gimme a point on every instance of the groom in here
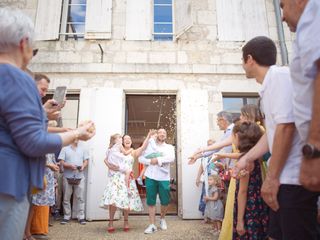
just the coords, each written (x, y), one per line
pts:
(158, 180)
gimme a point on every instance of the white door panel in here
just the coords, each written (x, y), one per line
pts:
(194, 132)
(104, 106)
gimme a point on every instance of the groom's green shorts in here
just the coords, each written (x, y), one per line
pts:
(153, 188)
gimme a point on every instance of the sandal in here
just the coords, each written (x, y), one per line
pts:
(126, 229)
(110, 229)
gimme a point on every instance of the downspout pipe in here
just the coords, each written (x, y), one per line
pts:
(283, 47)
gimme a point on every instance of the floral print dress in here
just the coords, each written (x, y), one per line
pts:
(47, 196)
(117, 193)
(135, 203)
(256, 212)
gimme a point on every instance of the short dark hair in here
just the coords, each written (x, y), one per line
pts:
(262, 49)
(39, 76)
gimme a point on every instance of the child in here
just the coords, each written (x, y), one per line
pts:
(115, 155)
(151, 152)
(206, 168)
(250, 212)
(214, 206)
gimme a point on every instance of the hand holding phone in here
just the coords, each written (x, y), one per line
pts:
(60, 94)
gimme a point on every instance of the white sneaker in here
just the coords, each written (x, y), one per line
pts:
(150, 229)
(163, 224)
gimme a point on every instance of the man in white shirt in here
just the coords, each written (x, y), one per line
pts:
(293, 208)
(158, 181)
(303, 17)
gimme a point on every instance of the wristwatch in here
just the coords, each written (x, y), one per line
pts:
(310, 151)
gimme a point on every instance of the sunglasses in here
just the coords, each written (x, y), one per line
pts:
(35, 51)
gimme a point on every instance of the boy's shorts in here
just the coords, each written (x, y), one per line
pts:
(155, 187)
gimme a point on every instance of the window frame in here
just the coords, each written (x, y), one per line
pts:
(154, 34)
(243, 96)
(64, 34)
(69, 96)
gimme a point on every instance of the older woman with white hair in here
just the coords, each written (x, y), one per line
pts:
(24, 139)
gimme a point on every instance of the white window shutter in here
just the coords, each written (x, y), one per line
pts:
(255, 19)
(48, 17)
(98, 19)
(230, 20)
(182, 16)
(138, 20)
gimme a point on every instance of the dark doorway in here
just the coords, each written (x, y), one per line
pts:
(144, 112)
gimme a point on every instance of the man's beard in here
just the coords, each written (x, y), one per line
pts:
(161, 140)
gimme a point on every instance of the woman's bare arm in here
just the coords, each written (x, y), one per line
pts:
(137, 152)
(226, 155)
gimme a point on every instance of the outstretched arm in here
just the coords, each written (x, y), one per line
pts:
(138, 152)
(218, 156)
(218, 145)
(209, 150)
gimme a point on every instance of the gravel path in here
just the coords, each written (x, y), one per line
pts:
(177, 229)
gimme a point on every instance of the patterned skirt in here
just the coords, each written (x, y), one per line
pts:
(117, 194)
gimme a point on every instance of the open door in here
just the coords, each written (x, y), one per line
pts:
(105, 107)
(194, 132)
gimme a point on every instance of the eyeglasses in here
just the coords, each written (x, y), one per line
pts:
(260, 110)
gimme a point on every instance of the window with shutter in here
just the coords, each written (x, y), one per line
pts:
(73, 20)
(98, 19)
(48, 21)
(157, 15)
(139, 13)
(86, 19)
(163, 24)
(182, 17)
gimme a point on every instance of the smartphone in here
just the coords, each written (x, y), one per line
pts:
(60, 94)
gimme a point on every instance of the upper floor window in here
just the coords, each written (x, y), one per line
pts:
(163, 25)
(74, 16)
(75, 19)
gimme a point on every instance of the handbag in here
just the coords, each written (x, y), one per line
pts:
(35, 190)
(74, 181)
(226, 176)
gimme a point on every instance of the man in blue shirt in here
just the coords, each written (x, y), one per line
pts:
(74, 159)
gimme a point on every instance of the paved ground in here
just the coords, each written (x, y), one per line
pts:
(177, 229)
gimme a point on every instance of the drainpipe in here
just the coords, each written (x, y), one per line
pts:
(283, 47)
(102, 52)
